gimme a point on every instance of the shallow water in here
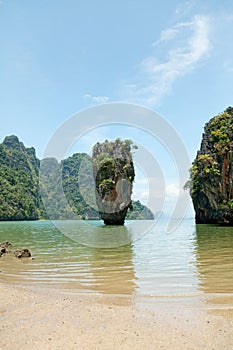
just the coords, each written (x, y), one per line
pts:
(190, 261)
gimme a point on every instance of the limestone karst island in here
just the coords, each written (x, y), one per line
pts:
(114, 174)
(211, 175)
(23, 185)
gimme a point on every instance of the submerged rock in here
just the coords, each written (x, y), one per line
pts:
(114, 174)
(2, 250)
(19, 253)
(211, 175)
(22, 253)
(3, 247)
(5, 244)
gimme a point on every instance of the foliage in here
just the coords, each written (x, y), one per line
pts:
(113, 172)
(71, 181)
(211, 174)
(111, 160)
(139, 212)
(20, 190)
(220, 129)
(60, 188)
(19, 182)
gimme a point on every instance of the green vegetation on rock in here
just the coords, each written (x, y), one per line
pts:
(23, 185)
(114, 174)
(19, 185)
(211, 174)
(139, 212)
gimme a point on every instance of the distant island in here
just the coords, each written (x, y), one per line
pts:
(22, 189)
(211, 175)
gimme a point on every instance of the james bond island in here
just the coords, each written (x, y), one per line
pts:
(211, 175)
(114, 174)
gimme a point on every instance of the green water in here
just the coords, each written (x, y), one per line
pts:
(192, 260)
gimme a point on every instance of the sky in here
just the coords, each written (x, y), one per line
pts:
(59, 58)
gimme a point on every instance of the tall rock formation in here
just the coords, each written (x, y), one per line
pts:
(211, 175)
(114, 174)
(25, 181)
(19, 181)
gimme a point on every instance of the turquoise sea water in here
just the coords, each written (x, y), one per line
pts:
(191, 260)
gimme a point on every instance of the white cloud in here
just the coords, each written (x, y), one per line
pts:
(185, 7)
(100, 99)
(162, 199)
(95, 99)
(172, 191)
(167, 34)
(142, 196)
(175, 194)
(189, 45)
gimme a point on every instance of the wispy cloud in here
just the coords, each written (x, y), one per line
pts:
(181, 47)
(174, 193)
(95, 99)
(160, 199)
(172, 190)
(183, 8)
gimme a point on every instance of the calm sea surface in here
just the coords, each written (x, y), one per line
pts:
(191, 260)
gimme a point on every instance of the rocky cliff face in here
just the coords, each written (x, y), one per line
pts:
(211, 175)
(19, 182)
(113, 172)
(21, 185)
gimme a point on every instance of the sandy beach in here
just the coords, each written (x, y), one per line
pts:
(47, 318)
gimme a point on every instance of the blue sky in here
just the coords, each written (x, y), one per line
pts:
(60, 57)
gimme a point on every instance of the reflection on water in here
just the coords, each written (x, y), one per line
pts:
(190, 261)
(94, 233)
(157, 264)
(214, 258)
(112, 270)
(62, 262)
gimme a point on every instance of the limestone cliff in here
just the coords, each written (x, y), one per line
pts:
(113, 172)
(211, 175)
(19, 182)
(21, 186)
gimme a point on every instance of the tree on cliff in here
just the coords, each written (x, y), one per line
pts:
(20, 190)
(211, 174)
(114, 174)
(19, 181)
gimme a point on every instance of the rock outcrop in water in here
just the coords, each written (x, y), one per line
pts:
(114, 174)
(4, 247)
(211, 175)
(22, 253)
(18, 253)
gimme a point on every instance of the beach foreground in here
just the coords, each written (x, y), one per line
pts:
(46, 318)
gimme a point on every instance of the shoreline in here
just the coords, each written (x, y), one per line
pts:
(49, 318)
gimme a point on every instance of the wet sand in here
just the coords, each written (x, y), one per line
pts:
(47, 318)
